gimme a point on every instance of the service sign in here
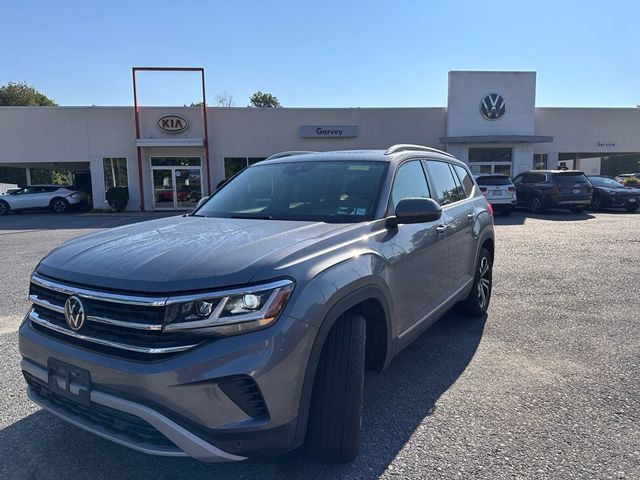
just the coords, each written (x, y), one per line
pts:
(328, 131)
(173, 123)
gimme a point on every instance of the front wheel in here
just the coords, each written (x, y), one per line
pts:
(59, 205)
(336, 405)
(4, 207)
(477, 302)
(596, 204)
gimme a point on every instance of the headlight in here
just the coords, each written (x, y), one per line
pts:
(229, 312)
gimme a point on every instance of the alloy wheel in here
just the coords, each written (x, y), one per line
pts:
(484, 282)
(536, 206)
(59, 206)
(3, 208)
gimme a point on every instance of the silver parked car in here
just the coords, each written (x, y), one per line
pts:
(58, 198)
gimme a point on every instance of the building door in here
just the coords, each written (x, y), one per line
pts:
(177, 182)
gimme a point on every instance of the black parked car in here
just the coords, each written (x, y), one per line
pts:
(543, 189)
(608, 193)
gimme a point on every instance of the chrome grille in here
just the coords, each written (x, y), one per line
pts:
(114, 321)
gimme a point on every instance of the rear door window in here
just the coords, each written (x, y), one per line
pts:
(465, 179)
(535, 178)
(446, 188)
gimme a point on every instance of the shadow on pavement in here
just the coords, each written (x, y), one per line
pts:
(395, 403)
(519, 217)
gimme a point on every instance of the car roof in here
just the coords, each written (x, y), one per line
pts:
(359, 156)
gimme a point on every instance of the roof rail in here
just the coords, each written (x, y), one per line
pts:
(405, 147)
(288, 154)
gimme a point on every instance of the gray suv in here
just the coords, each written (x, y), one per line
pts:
(244, 329)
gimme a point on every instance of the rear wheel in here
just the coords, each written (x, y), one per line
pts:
(4, 207)
(477, 302)
(336, 404)
(535, 205)
(59, 205)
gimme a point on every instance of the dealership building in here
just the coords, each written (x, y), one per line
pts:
(169, 156)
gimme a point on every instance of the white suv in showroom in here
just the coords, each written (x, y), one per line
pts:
(59, 198)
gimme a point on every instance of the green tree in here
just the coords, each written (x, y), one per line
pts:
(22, 95)
(264, 100)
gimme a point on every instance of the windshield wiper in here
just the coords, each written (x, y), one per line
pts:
(253, 217)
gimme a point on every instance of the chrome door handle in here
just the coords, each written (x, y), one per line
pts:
(441, 228)
(471, 216)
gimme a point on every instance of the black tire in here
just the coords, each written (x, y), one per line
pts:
(4, 207)
(59, 205)
(632, 209)
(477, 302)
(577, 209)
(333, 432)
(596, 204)
(535, 205)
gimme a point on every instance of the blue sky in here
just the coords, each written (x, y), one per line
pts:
(322, 53)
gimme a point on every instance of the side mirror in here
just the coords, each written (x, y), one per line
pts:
(415, 210)
(200, 202)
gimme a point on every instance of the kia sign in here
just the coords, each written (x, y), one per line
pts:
(324, 131)
(173, 123)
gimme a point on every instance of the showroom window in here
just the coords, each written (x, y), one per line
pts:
(540, 161)
(115, 172)
(490, 160)
(233, 165)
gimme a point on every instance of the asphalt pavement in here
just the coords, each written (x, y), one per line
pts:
(547, 386)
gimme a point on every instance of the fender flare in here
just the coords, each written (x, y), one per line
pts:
(334, 312)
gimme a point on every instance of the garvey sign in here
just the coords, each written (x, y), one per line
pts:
(173, 123)
(328, 131)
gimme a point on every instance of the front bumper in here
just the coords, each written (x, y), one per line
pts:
(181, 396)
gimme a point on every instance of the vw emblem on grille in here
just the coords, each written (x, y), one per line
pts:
(74, 313)
(492, 106)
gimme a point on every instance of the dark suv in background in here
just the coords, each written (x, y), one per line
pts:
(243, 329)
(540, 190)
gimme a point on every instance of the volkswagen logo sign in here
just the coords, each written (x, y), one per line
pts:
(492, 106)
(74, 313)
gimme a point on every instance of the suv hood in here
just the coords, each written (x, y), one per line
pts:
(179, 253)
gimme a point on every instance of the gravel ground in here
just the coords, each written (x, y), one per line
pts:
(547, 387)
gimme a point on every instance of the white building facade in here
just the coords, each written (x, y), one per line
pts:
(490, 121)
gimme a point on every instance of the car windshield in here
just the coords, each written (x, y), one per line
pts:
(570, 177)
(493, 180)
(333, 192)
(605, 182)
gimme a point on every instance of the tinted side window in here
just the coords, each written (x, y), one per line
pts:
(518, 179)
(536, 178)
(465, 179)
(444, 183)
(409, 182)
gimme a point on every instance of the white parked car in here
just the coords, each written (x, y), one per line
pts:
(500, 192)
(59, 198)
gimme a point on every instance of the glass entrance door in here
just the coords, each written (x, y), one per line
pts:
(188, 187)
(163, 196)
(177, 182)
